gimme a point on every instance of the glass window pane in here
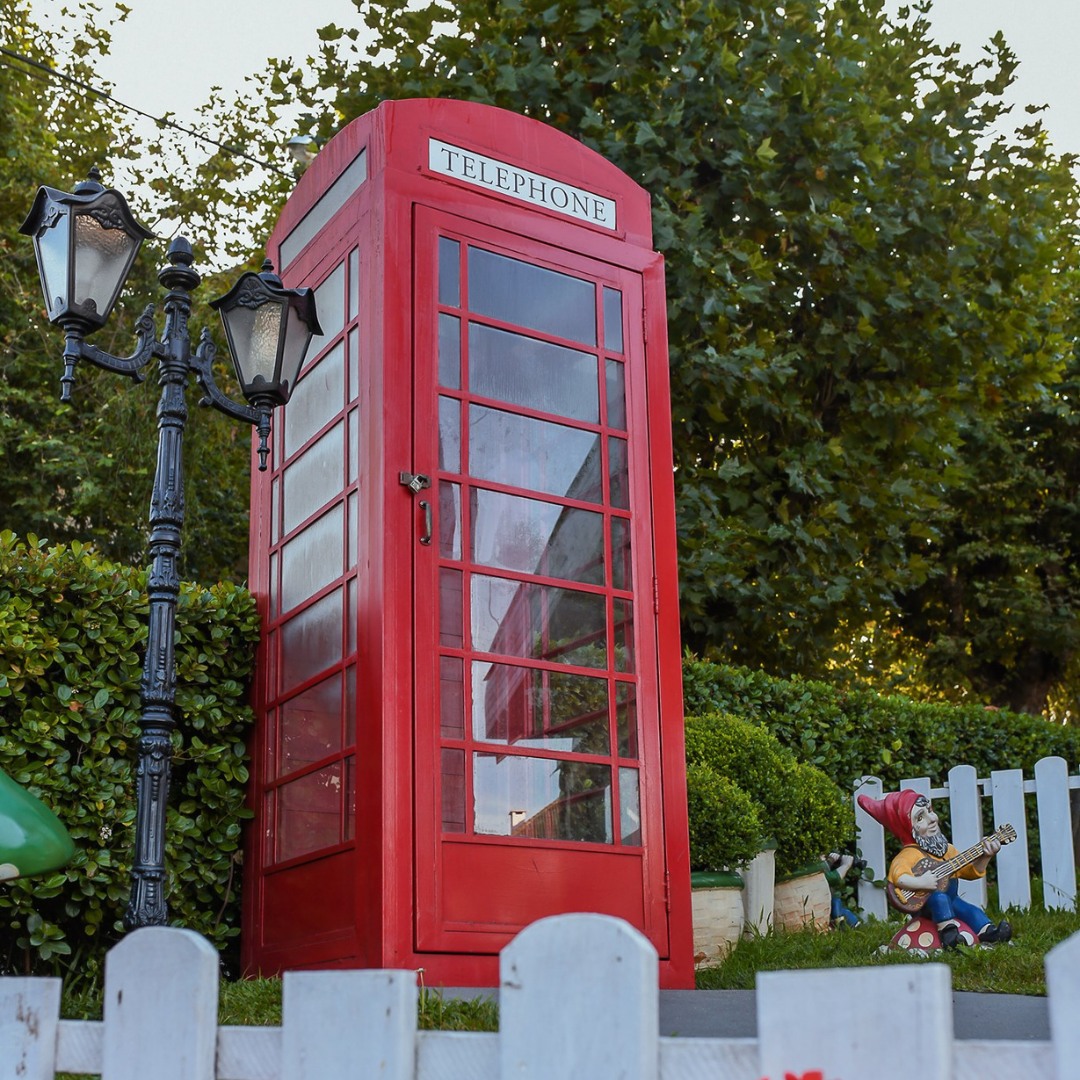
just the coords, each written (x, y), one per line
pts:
(350, 706)
(629, 808)
(449, 520)
(309, 813)
(311, 640)
(534, 374)
(451, 616)
(626, 720)
(533, 537)
(613, 339)
(542, 798)
(350, 798)
(350, 617)
(310, 725)
(538, 622)
(450, 352)
(275, 496)
(552, 710)
(535, 454)
(624, 635)
(354, 283)
(621, 576)
(449, 272)
(319, 396)
(330, 304)
(620, 484)
(312, 558)
(518, 292)
(449, 434)
(314, 478)
(453, 791)
(451, 697)
(616, 395)
(354, 364)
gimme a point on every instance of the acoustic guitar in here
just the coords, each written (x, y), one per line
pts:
(911, 901)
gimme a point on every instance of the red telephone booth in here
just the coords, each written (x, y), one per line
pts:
(469, 689)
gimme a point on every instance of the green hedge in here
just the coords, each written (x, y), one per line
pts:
(72, 630)
(849, 734)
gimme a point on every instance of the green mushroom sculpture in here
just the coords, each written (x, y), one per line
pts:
(32, 839)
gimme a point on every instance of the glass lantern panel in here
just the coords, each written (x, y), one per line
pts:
(102, 257)
(52, 252)
(297, 340)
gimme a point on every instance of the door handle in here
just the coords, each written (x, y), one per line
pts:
(425, 507)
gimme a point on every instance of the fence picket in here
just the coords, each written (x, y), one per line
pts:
(1014, 879)
(29, 1013)
(870, 844)
(342, 1024)
(966, 828)
(797, 1011)
(1063, 1004)
(1055, 833)
(596, 1013)
(161, 997)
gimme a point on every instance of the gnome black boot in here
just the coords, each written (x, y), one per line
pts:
(993, 935)
(950, 935)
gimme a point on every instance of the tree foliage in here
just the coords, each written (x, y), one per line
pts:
(867, 288)
(85, 470)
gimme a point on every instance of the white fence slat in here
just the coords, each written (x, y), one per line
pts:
(801, 1015)
(29, 1012)
(340, 1024)
(457, 1055)
(1013, 874)
(161, 997)
(966, 828)
(594, 1012)
(80, 1046)
(1003, 1059)
(870, 844)
(1063, 1004)
(709, 1059)
(921, 784)
(249, 1053)
(1055, 833)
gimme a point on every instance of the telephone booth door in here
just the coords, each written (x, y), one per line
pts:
(529, 742)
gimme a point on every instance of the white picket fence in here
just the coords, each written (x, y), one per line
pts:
(578, 999)
(1008, 790)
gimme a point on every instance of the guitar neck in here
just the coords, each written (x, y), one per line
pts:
(958, 862)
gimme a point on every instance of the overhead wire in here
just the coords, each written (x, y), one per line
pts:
(52, 73)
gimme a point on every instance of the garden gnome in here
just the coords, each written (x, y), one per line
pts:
(911, 819)
(838, 866)
(32, 839)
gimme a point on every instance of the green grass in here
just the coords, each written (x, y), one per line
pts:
(1015, 968)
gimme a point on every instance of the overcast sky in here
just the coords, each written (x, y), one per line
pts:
(166, 55)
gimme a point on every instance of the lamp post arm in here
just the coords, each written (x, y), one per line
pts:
(75, 349)
(202, 363)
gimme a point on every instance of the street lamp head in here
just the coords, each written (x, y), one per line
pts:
(269, 329)
(85, 242)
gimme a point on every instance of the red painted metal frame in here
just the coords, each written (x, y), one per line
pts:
(359, 901)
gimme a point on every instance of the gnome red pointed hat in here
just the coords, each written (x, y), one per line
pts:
(894, 812)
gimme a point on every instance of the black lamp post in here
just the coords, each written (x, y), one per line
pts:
(86, 243)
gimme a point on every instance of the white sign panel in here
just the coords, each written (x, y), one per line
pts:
(520, 184)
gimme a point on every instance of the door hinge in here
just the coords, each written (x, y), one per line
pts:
(667, 891)
(655, 596)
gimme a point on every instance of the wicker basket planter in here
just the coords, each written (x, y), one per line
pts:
(803, 899)
(717, 905)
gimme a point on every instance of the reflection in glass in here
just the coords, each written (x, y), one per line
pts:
(621, 577)
(629, 808)
(626, 720)
(449, 434)
(620, 484)
(330, 302)
(451, 697)
(533, 374)
(449, 520)
(315, 477)
(616, 395)
(310, 726)
(533, 537)
(453, 791)
(518, 292)
(551, 710)
(535, 454)
(319, 396)
(309, 812)
(538, 622)
(311, 640)
(542, 798)
(450, 608)
(312, 558)
(624, 635)
(450, 352)
(449, 272)
(613, 340)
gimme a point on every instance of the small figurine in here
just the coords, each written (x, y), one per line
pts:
(32, 839)
(922, 877)
(838, 866)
